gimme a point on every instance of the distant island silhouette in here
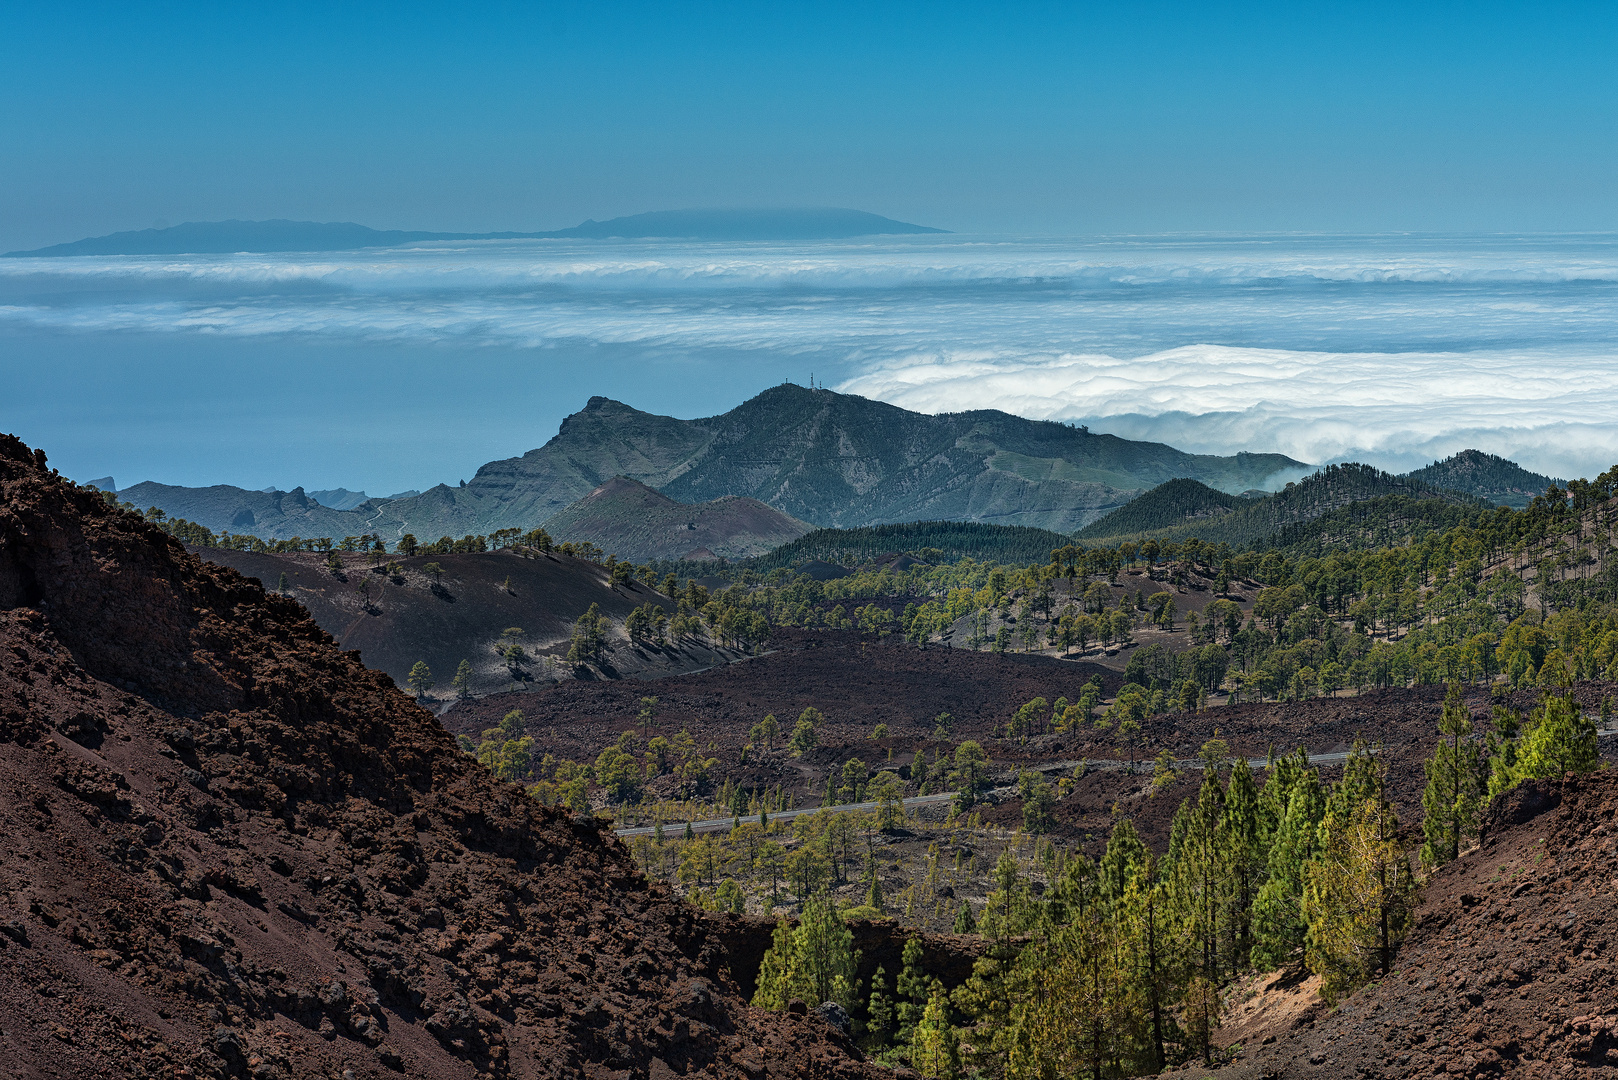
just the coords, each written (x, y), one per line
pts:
(225, 237)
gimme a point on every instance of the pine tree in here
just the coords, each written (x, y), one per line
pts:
(1361, 780)
(964, 922)
(1002, 912)
(1087, 981)
(1123, 855)
(804, 736)
(1455, 790)
(731, 897)
(1278, 926)
(463, 679)
(1201, 1007)
(814, 963)
(873, 894)
(1149, 948)
(1281, 773)
(420, 678)
(1042, 1017)
(771, 992)
(1503, 748)
(1357, 893)
(879, 1008)
(1038, 801)
(1201, 866)
(824, 961)
(912, 989)
(1561, 740)
(999, 978)
(935, 1050)
(1241, 843)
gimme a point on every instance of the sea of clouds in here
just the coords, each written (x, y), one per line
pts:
(1394, 349)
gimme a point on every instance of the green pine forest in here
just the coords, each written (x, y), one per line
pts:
(1120, 966)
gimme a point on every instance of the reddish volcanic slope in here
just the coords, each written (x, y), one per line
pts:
(228, 849)
(1509, 968)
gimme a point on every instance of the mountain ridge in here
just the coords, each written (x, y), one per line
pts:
(827, 459)
(281, 234)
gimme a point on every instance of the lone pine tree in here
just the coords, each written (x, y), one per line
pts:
(1457, 784)
(1357, 893)
(814, 963)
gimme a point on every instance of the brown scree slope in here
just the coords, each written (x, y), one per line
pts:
(636, 522)
(1509, 968)
(228, 849)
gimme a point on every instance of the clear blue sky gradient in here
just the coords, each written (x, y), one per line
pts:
(1030, 118)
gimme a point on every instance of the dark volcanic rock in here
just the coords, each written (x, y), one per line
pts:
(228, 849)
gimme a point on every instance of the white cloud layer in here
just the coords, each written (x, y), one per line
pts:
(1394, 349)
(1557, 411)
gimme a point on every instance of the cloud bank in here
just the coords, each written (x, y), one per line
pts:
(1556, 410)
(1394, 350)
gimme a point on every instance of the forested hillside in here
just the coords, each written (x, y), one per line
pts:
(1178, 502)
(1488, 476)
(1259, 521)
(633, 521)
(1385, 521)
(931, 541)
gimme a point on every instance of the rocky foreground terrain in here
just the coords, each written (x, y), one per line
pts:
(229, 849)
(462, 612)
(1509, 968)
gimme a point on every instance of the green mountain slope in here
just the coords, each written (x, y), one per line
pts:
(1336, 488)
(1488, 476)
(844, 461)
(830, 459)
(1370, 524)
(629, 519)
(938, 541)
(1175, 503)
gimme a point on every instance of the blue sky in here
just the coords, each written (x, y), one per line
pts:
(1048, 137)
(1027, 118)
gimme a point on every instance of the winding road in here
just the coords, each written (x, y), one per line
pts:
(721, 824)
